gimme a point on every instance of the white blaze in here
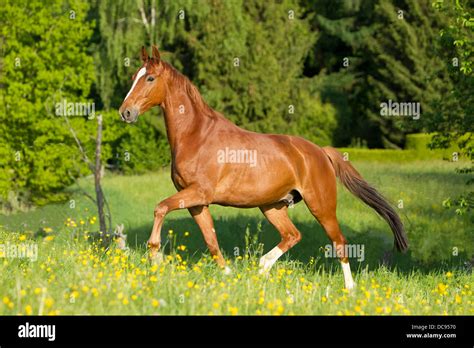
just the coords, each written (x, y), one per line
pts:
(141, 72)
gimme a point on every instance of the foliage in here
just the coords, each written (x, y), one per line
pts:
(454, 117)
(421, 142)
(42, 64)
(269, 67)
(247, 58)
(394, 155)
(384, 49)
(197, 41)
(133, 149)
(115, 46)
(119, 35)
(313, 119)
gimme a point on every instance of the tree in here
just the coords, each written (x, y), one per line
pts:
(247, 60)
(44, 63)
(117, 38)
(386, 50)
(453, 120)
(124, 26)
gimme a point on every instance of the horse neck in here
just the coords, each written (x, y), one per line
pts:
(183, 118)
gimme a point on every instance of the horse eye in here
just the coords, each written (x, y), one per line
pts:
(150, 78)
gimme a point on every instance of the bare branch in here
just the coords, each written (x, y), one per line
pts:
(109, 214)
(141, 7)
(152, 30)
(97, 176)
(136, 20)
(79, 145)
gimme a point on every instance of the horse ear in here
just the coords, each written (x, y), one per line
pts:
(144, 55)
(155, 53)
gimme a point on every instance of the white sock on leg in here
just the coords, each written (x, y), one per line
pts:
(348, 281)
(267, 260)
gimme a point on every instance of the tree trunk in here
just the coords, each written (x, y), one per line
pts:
(97, 176)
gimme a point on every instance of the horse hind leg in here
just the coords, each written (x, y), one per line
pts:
(331, 226)
(277, 215)
(323, 209)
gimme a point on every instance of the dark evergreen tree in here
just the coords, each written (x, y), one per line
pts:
(388, 49)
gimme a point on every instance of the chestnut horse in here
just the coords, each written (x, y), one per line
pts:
(216, 162)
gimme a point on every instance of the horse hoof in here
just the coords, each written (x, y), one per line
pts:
(351, 287)
(156, 258)
(264, 266)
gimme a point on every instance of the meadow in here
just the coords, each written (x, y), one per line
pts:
(74, 274)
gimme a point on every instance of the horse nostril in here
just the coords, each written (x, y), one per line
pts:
(129, 114)
(125, 114)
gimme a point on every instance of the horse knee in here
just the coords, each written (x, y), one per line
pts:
(160, 211)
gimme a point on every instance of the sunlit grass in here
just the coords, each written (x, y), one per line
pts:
(76, 276)
(73, 275)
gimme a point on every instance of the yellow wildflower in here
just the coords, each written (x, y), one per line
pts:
(49, 302)
(28, 310)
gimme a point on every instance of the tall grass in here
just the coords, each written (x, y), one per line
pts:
(73, 275)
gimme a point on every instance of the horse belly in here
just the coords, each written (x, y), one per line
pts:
(253, 189)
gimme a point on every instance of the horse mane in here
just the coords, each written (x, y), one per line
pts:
(183, 83)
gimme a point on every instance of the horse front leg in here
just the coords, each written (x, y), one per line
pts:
(187, 198)
(203, 218)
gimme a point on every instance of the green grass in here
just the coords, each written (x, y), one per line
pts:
(432, 278)
(76, 277)
(398, 156)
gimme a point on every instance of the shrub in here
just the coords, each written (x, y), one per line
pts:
(42, 64)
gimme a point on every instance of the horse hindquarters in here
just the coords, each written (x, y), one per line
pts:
(320, 196)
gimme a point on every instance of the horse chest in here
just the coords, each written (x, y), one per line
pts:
(181, 175)
(178, 180)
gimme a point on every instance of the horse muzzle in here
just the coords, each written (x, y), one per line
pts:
(129, 115)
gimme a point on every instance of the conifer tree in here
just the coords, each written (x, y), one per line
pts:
(390, 51)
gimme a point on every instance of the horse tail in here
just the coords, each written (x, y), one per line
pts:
(354, 182)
